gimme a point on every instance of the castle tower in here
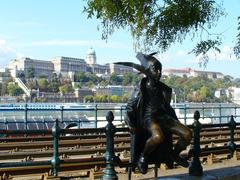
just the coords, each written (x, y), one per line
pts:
(91, 57)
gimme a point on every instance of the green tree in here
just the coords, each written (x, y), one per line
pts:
(66, 88)
(115, 79)
(115, 99)
(43, 83)
(236, 48)
(125, 98)
(30, 72)
(127, 79)
(3, 89)
(88, 99)
(13, 89)
(159, 24)
(80, 77)
(32, 84)
(236, 82)
(42, 76)
(54, 83)
(97, 98)
(204, 93)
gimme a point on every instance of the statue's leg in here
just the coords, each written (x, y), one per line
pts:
(185, 136)
(156, 138)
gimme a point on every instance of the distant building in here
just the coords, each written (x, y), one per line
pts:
(40, 67)
(113, 90)
(66, 66)
(220, 92)
(4, 75)
(177, 72)
(192, 73)
(209, 74)
(91, 57)
(82, 92)
(234, 94)
(99, 69)
(119, 69)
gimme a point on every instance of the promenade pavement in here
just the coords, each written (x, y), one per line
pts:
(226, 170)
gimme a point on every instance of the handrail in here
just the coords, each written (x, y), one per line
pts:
(23, 86)
(109, 130)
(96, 110)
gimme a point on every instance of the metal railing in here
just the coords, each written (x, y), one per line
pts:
(93, 115)
(195, 168)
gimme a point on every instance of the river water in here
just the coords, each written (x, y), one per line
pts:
(43, 115)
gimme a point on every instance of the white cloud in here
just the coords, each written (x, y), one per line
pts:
(164, 57)
(84, 43)
(226, 54)
(4, 48)
(7, 53)
(181, 53)
(28, 24)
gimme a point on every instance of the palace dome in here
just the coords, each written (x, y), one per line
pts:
(91, 52)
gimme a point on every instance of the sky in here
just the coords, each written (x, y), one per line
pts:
(49, 28)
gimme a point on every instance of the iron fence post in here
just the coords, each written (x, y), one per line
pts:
(96, 114)
(121, 113)
(55, 159)
(231, 145)
(44, 123)
(195, 168)
(185, 114)
(109, 171)
(6, 123)
(203, 109)
(62, 113)
(25, 116)
(220, 113)
(235, 111)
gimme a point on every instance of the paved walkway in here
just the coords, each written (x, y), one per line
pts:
(227, 170)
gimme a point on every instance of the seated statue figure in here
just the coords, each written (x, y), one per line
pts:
(150, 116)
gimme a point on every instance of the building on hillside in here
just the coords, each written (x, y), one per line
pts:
(65, 65)
(119, 69)
(192, 73)
(40, 67)
(4, 75)
(93, 67)
(91, 57)
(177, 72)
(113, 90)
(99, 69)
(209, 74)
(220, 92)
(82, 92)
(234, 94)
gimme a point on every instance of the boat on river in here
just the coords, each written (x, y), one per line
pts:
(86, 115)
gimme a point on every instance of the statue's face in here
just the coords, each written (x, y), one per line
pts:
(156, 71)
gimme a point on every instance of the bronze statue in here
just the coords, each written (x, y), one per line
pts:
(150, 110)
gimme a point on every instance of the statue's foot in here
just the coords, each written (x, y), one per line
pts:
(181, 160)
(142, 165)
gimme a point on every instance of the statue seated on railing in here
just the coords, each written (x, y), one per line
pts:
(152, 120)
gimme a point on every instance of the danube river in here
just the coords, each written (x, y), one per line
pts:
(43, 115)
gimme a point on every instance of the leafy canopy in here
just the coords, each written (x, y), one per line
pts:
(156, 24)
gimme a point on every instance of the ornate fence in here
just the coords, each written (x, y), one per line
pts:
(195, 168)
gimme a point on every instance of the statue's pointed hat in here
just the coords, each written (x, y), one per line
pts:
(144, 60)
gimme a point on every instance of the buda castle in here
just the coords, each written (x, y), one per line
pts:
(66, 66)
